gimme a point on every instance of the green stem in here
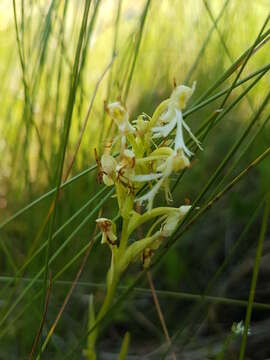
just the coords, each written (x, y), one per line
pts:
(255, 276)
(137, 219)
(111, 287)
(124, 237)
(108, 299)
(102, 312)
(227, 342)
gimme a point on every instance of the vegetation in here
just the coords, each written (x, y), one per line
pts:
(71, 73)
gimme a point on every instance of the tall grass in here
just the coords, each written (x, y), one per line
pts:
(60, 62)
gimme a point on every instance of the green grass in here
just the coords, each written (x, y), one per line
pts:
(60, 63)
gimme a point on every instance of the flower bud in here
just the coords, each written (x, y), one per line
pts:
(120, 115)
(108, 164)
(142, 125)
(128, 158)
(170, 224)
(180, 96)
(107, 228)
(180, 161)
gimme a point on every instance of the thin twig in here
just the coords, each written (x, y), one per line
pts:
(46, 304)
(228, 187)
(74, 283)
(154, 293)
(87, 117)
(159, 311)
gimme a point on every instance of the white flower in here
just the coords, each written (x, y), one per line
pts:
(107, 228)
(173, 118)
(125, 169)
(170, 224)
(120, 115)
(146, 177)
(239, 328)
(180, 96)
(167, 229)
(163, 130)
(150, 196)
(179, 142)
(180, 161)
(108, 168)
(174, 162)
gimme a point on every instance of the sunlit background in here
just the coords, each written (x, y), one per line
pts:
(174, 33)
(133, 50)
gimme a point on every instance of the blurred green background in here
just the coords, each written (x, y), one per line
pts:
(143, 46)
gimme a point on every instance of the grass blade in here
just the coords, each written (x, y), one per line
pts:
(255, 276)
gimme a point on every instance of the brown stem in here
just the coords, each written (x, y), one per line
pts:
(70, 290)
(159, 311)
(36, 340)
(154, 294)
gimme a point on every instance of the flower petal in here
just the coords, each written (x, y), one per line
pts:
(179, 139)
(164, 131)
(193, 137)
(150, 196)
(146, 177)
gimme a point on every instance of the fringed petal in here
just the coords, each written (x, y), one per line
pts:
(179, 139)
(150, 196)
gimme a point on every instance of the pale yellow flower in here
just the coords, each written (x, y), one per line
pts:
(128, 158)
(108, 168)
(172, 118)
(120, 115)
(170, 224)
(107, 228)
(175, 161)
(180, 96)
(142, 125)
